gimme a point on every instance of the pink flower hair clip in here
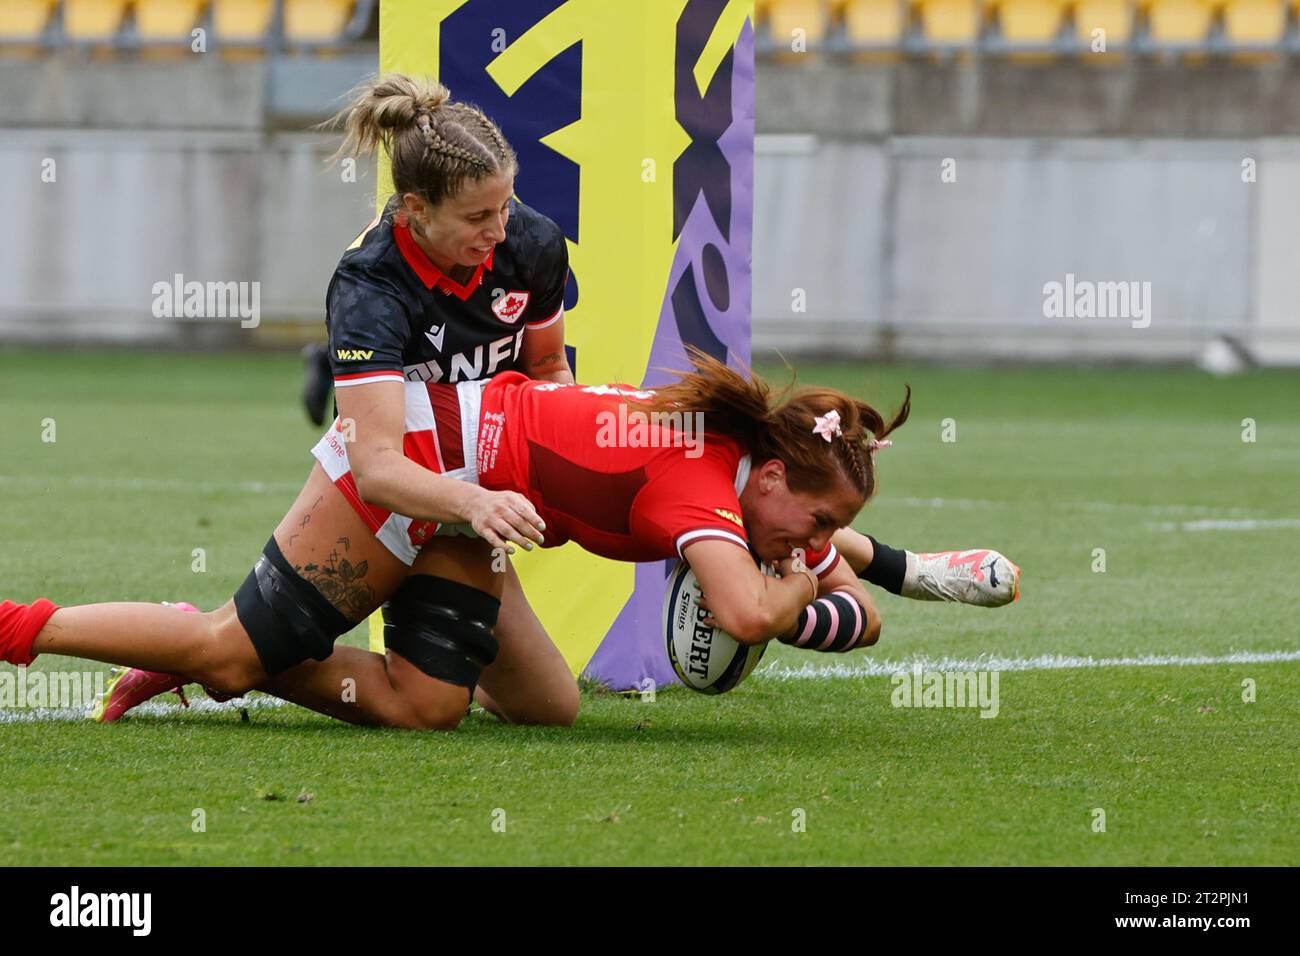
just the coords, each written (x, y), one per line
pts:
(828, 425)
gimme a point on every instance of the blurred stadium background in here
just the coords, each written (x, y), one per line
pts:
(1173, 157)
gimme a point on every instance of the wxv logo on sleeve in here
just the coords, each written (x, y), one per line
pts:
(75, 908)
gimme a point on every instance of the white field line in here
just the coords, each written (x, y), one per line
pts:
(779, 670)
(772, 671)
(1227, 524)
(154, 708)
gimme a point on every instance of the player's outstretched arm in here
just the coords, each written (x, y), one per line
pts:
(747, 605)
(841, 580)
(373, 418)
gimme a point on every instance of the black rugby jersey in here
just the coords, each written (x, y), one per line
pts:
(392, 313)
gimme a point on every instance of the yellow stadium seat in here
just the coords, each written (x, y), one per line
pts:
(315, 21)
(1030, 21)
(1180, 21)
(787, 16)
(1254, 21)
(874, 22)
(242, 21)
(955, 22)
(167, 19)
(93, 19)
(1113, 16)
(24, 19)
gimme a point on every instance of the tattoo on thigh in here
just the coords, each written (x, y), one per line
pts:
(342, 582)
(306, 520)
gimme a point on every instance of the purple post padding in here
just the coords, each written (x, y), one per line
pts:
(633, 649)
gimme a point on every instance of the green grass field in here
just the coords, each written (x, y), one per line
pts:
(157, 455)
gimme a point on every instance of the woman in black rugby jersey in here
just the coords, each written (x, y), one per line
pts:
(455, 281)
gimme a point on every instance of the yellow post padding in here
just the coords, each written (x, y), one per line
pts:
(625, 144)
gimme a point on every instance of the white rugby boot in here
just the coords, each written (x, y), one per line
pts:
(980, 577)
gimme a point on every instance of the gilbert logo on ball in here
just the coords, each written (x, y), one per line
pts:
(705, 657)
(510, 307)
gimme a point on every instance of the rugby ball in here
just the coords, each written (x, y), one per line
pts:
(706, 658)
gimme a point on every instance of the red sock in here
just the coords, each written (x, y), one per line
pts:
(19, 625)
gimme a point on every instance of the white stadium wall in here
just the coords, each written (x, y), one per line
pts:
(894, 259)
(128, 210)
(851, 207)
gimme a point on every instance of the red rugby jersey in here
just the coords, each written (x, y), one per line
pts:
(622, 487)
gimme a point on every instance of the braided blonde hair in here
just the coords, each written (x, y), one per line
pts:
(434, 145)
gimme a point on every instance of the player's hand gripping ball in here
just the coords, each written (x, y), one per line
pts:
(705, 657)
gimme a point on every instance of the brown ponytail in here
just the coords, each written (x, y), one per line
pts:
(742, 409)
(434, 144)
